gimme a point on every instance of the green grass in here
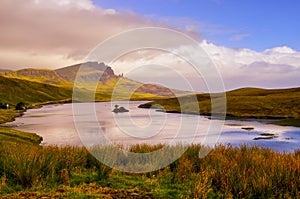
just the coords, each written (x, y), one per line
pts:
(13, 91)
(226, 172)
(288, 122)
(44, 76)
(242, 103)
(7, 115)
(36, 90)
(8, 135)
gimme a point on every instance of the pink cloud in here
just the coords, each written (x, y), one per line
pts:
(55, 33)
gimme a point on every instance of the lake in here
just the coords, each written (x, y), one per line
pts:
(55, 123)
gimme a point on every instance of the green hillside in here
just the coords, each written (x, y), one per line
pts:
(8, 135)
(278, 103)
(243, 103)
(13, 91)
(43, 85)
(37, 75)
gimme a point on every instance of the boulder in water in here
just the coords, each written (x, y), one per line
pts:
(121, 109)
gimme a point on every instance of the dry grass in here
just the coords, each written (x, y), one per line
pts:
(226, 172)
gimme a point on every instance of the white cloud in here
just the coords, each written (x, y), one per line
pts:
(272, 68)
(226, 56)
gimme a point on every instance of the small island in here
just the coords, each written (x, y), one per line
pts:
(248, 128)
(121, 109)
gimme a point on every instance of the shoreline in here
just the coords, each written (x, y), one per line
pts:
(277, 120)
(280, 121)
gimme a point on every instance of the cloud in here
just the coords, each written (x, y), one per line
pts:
(272, 68)
(55, 33)
(224, 56)
(239, 37)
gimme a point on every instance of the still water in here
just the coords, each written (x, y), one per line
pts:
(55, 123)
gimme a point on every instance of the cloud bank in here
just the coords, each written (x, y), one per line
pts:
(278, 67)
(273, 68)
(55, 33)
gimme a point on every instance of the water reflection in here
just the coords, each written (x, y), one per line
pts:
(55, 123)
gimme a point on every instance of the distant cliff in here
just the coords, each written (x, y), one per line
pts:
(92, 71)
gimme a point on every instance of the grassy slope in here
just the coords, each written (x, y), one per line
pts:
(7, 115)
(44, 76)
(264, 103)
(245, 103)
(13, 91)
(63, 79)
(20, 137)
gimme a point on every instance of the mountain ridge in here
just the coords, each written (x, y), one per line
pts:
(87, 75)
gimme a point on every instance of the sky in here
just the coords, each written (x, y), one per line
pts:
(253, 24)
(252, 43)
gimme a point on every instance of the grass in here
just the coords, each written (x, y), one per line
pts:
(7, 115)
(288, 122)
(44, 76)
(226, 172)
(8, 135)
(34, 90)
(242, 103)
(13, 91)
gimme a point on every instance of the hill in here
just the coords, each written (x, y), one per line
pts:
(15, 90)
(90, 72)
(277, 103)
(43, 85)
(87, 69)
(243, 103)
(37, 75)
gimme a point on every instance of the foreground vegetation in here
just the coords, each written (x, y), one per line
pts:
(31, 171)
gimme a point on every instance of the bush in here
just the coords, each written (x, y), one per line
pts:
(20, 106)
(4, 106)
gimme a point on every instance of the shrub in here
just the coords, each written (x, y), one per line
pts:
(20, 106)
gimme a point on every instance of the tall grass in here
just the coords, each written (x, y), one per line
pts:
(27, 165)
(249, 172)
(226, 172)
